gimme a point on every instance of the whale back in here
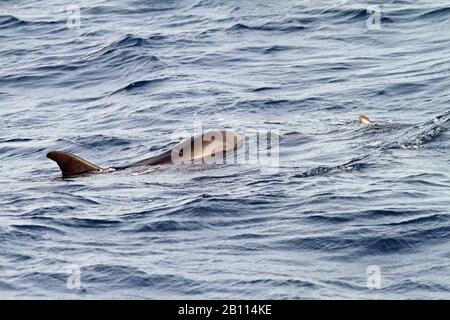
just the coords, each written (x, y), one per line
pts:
(209, 146)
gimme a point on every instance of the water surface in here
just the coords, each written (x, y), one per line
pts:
(135, 73)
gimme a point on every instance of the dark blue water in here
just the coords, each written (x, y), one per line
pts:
(134, 73)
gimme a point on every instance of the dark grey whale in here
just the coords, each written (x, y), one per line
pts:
(209, 145)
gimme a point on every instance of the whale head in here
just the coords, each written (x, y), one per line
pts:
(364, 120)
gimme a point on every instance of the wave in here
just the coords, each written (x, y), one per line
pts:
(420, 221)
(122, 52)
(122, 276)
(6, 286)
(10, 21)
(20, 236)
(436, 13)
(277, 283)
(379, 244)
(140, 85)
(136, 8)
(115, 62)
(87, 223)
(95, 141)
(353, 165)
(392, 135)
(385, 137)
(347, 15)
(399, 89)
(250, 105)
(420, 135)
(274, 49)
(39, 229)
(285, 26)
(261, 89)
(329, 219)
(169, 226)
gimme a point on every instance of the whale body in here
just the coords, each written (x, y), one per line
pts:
(211, 146)
(364, 120)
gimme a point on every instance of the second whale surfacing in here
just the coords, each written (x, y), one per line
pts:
(364, 120)
(210, 145)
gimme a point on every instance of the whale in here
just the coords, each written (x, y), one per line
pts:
(208, 147)
(364, 120)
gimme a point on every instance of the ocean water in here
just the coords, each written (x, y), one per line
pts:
(352, 211)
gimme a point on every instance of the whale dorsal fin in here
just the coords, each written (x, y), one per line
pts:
(364, 120)
(71, 165)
